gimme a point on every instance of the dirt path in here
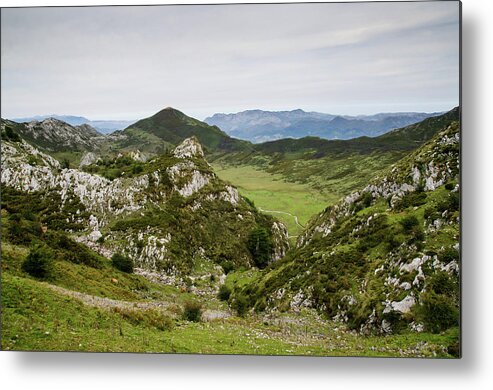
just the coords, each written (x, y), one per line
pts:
(283, 212)
(108, 304)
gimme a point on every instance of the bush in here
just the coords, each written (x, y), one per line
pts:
(224, 292)
(409, 222)
(438, 313)
(240, 304)
(227, 266)
(366, 199)
(451, 203)
(65, 163)
(449, 254)
(442, 283)
(38, 262)
(70, 250)
(411, 199)
(122, 263)
(11, 135)
(192, 311)
(260, 246)
(149, 317)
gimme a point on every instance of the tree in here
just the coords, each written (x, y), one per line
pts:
(38, 262)
(260, 246)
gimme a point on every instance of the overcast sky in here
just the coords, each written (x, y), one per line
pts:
(130, 62)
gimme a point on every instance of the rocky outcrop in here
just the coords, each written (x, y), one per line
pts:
(55, 135)
(425, 169)
(189, 148)
(134, 215)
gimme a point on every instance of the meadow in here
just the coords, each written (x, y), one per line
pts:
(290, 202)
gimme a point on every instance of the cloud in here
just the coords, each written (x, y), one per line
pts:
(128, 62)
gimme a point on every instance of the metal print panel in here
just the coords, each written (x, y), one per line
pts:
(263, 179)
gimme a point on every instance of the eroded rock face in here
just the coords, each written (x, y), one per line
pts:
(280, 240)
(187, 179)
(427, 168)
(88, 159)
(96, 193)
(189, 148)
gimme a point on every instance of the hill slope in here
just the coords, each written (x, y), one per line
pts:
(54, 135)
(166, 215)
(385, 258)
(169, 127)
(103, 126)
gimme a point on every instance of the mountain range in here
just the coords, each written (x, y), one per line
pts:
(259, 126)
(103, 126)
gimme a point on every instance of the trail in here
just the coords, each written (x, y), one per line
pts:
(283, 212)
(108, 304)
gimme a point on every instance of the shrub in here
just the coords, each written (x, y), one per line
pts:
(409, 222)
(449, 254)
(260, 246)
(11, 135)
(240, 304)
(249, 201)
(136, 169)
(122, 263)
(192, 311)
(38, 262)
(22, 231)
(442, 283)
(227, 266)
(410, 200)
(366, 199)
(224, 292)
(149, 317)
(438, 313)
(430, 213)
(451, 203)
(65, 163)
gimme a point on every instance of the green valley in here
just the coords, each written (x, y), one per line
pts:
(293, 247)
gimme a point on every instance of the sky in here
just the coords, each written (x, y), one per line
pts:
(130, 62)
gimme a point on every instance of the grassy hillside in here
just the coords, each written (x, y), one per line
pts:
(384, 259)
(172, 127)
(80, 308)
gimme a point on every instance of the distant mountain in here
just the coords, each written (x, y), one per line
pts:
(169, 127)
(405, 138)
(103, 126)
(261, 126)
(55, 135)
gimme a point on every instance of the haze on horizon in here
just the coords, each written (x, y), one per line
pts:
(130, 62)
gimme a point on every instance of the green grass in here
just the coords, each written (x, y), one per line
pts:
(270, 192)
(37, 318)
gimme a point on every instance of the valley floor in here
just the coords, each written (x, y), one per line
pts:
(292, 203)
